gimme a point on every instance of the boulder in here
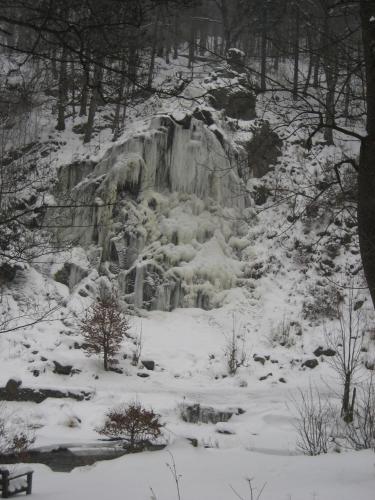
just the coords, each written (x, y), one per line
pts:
(320, 351)
(310, 363)
(120, 371)
(62, 369)
(259, 359)
(370, 365)
(12, 386)
(204, 115)
(148, 364)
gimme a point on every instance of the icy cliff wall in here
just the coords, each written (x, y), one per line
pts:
(166, 208)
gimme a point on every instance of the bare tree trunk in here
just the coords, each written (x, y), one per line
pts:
(175, 36)
(95, 96)
(55, 72)
(263, 57)
(153, 50)
(316, 65)
(105, 356)
(116, 119)
(366, 185)
(348, 92)
(296, 52)
(330, 70)
(226, 26)
(276, 56)
(346, 397)
(73, 80)
(192, 41)
(311, 63)
(63, 91)
(330, 110)
(203, 37)
(85, 90)
(133, 68)
(168, 40)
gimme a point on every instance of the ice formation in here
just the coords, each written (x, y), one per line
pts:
(166, 207)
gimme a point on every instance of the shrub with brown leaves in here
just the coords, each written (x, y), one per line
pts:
(134, 423)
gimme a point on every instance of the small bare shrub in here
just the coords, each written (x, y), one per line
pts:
(235, 351)
(285, 333)
(175, 475)
(252, 491)
(360, 433)
(347, 341)
(14, 439)
(133, 423)
(314, 423)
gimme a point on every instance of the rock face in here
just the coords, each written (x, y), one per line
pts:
(70, 274)
(7, 272)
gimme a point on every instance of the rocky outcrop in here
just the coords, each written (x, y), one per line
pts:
(262, 150)
(70, 274)
(8, 272)
(13, 391)
(236, 101)
(72, 174)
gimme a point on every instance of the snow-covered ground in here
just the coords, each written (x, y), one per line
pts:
(188, 347)
(210, 474)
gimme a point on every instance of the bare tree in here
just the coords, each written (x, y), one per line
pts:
(103, 328)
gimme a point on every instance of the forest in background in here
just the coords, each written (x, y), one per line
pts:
(89, 54)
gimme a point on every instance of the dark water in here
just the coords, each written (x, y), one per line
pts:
(65, 458)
